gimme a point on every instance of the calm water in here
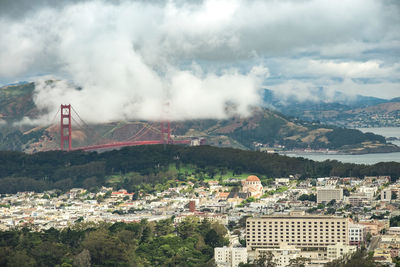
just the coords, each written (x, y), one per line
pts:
(362, 159)
(386, 132)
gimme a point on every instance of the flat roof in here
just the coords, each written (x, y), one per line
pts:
(296, 217)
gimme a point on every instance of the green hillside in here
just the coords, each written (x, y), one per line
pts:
(16, 102)
(151, 167)
(263, 128)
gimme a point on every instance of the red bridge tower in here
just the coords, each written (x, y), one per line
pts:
(65, 129)
(167, 132)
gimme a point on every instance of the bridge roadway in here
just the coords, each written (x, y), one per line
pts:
(132, 143)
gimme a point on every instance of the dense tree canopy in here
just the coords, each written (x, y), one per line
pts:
(120, 244)
(64, 170)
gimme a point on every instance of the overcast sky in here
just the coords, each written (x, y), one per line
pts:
(132, 57)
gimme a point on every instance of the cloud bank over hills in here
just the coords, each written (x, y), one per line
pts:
(207, 59)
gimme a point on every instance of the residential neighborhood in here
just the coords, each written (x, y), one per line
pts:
(314, 221)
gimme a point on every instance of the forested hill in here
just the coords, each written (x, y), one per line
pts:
(264, 126)
(65, 170)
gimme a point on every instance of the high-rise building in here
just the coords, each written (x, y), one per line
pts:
(299, 230)
(328, 194)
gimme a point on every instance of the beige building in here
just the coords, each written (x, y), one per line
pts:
(394, 231)
(282, 256)
(338, 251)
(357, 200)
(390, 241)
(328, 194)
(211, 217)
(375, 226)
(301, 231)
(230, 256)
(382, 255)
(386, 195)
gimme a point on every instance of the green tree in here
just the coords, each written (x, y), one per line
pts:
(82, 259)
(20, 259)
(104, 249)
(298, 262)
(164, 227)
(188, 227)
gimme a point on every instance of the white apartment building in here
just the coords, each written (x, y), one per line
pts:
(357, 234)
(368, 191)
(395, 230)
(230, 256)
(301, 231)
(328, 194)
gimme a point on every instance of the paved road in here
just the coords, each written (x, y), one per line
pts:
(374, 243)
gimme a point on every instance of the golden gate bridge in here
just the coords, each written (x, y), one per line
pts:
(164, 132)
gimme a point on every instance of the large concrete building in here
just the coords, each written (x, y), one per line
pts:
(328, 194)
(295, 229)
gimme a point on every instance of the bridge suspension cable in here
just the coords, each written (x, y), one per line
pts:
(66, 133)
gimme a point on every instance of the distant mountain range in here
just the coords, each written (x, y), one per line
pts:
(338, 109)
(264, 129)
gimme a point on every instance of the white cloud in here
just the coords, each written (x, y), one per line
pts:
(339, 68)
(187, 94)
(308, 90)
(390, 89)
(131, 57)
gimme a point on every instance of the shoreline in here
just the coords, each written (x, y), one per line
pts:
(297, 152)
(366, 158)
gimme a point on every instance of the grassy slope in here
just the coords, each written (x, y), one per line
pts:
(187, 171)
(16, 101)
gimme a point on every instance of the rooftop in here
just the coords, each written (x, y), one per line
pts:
(253, 178)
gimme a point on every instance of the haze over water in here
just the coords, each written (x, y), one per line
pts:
(362, 159)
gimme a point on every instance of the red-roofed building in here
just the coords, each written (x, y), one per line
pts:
(121, 193)
(253, 186)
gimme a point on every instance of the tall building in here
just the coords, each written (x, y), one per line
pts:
(328, 194)
(230, 256)
(299, 230)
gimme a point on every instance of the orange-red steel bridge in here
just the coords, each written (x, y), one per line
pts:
(66, 134)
